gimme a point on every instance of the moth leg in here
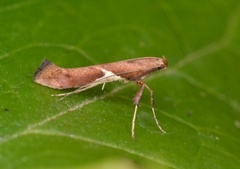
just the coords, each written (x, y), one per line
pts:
(136, 101)
(80, 89)
(103, 86)
(63, 95)
(153, 110)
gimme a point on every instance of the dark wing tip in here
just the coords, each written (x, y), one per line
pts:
(43, 65)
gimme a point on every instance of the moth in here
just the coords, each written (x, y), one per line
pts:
(83, 78)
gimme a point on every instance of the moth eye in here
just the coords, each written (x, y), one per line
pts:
(161, 67)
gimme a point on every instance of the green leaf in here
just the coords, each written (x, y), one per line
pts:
(196, 98)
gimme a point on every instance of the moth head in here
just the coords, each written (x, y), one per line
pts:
(163, 63)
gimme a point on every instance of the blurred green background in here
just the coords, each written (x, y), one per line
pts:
(196, 98)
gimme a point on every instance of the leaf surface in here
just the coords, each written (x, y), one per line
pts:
(196, 98)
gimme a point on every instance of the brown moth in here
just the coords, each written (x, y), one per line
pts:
(83, 78)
